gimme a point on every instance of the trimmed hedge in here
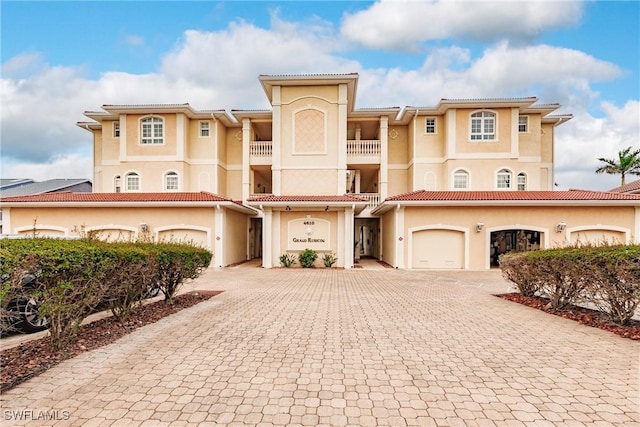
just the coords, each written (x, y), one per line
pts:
(608, 277)
(75, 277)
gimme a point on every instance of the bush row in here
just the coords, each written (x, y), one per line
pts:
(76, 277)
(607, 277)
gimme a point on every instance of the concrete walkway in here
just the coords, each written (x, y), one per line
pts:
(334, 347)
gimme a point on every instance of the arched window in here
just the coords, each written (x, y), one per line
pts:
(522, 181)
(132, 181)
(461, 180)
(504, 179)
(117, 184)
(152, 130)
(483, 126)
(171, 181)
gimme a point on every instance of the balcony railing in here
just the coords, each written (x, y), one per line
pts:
(260, 148)
(363, 148)
(372, 198)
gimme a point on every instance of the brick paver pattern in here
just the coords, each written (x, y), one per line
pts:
(334, 347)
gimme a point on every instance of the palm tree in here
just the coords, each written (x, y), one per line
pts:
(628, 163)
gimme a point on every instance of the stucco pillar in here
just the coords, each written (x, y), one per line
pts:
(6, 220)
(348, 236)
(276, 143)
(181, 135)
(218, 246)
(123, 137)
(267, 232)
(340, 253)
(275, 239)
(636, 236)
(342, 139)
(399, 236)
(246, 140)
(384, 158)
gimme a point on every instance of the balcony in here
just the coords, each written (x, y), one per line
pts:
(363, 151)
(260, 152)
(373, 199)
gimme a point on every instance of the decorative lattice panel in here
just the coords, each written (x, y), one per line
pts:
(309, 132)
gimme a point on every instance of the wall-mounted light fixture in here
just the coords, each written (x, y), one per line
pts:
(560, 227)
(287, 208)
(144, 227)
(326, 208)
(479, 227)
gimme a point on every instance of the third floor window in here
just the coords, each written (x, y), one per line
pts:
(152, 130)
(483, 126)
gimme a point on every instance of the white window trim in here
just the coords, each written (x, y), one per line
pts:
(141, 136)
(497, 174)
(126, 182)
(495, 126)
(116, 130)
(435, 126)
(521, 174)
(526, 124)
(453, 180)
(165, 182)
(200, 129)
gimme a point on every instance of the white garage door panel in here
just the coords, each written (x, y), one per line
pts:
(598, 237)
(438, 249)
(184, 235)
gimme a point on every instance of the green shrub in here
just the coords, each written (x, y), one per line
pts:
(329, 260)
(307, 258)
(287, 260)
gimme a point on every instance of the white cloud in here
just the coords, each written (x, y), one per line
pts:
(391, 24)
(134, 40)
(62, 166)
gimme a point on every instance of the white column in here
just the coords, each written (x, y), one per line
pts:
(276, 143)
(384, 158)
(636, 236)
(399, 236)
(340, 243)
(6, 220)
(246, 140)
(342, 139)
(215, 188)
(275, 239)
(267, 232)
(348, 237)
(218, 250)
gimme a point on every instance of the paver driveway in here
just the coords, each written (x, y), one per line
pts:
(334, 347)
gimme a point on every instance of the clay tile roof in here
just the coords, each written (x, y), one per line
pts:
(271, 198)
(117, 197)
(432, 196)
(628, 188)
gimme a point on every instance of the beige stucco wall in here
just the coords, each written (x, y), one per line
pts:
(201, 148)
(120, 221)
(133, 132)
(530, 142)
(398, 147)
(430, 145)
(286, 245)
(503, 132)
(540, 218)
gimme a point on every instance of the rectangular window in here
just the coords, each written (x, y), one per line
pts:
(204, 129)
(483, 126)
(460, 181)
(133, 183)
(430, 125)
(116, 129)
(152, 131)
(504, 181)
(523, 124)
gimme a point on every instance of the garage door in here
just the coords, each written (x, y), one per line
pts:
(438, 249)
(185, 235)
(596, 237)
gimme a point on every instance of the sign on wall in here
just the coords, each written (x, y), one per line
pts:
(311, 233)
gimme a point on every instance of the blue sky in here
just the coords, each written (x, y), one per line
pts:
(62, 58)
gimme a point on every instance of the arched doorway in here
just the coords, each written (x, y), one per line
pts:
(513, 239)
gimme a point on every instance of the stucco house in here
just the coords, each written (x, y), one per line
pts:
(450, 186)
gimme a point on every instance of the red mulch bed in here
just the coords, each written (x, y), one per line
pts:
(582, 315)
(34, 357)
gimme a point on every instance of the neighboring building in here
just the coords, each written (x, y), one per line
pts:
(448, 186)
(630, 188)
(25, 186)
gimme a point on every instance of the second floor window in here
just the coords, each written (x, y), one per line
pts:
(504, 179)
(133, 181)
(204, 129)
(430, 125)
(483, 126)
(116, 130)
(117, 184)
(152, 130)
(460, 180)
(171, 181)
